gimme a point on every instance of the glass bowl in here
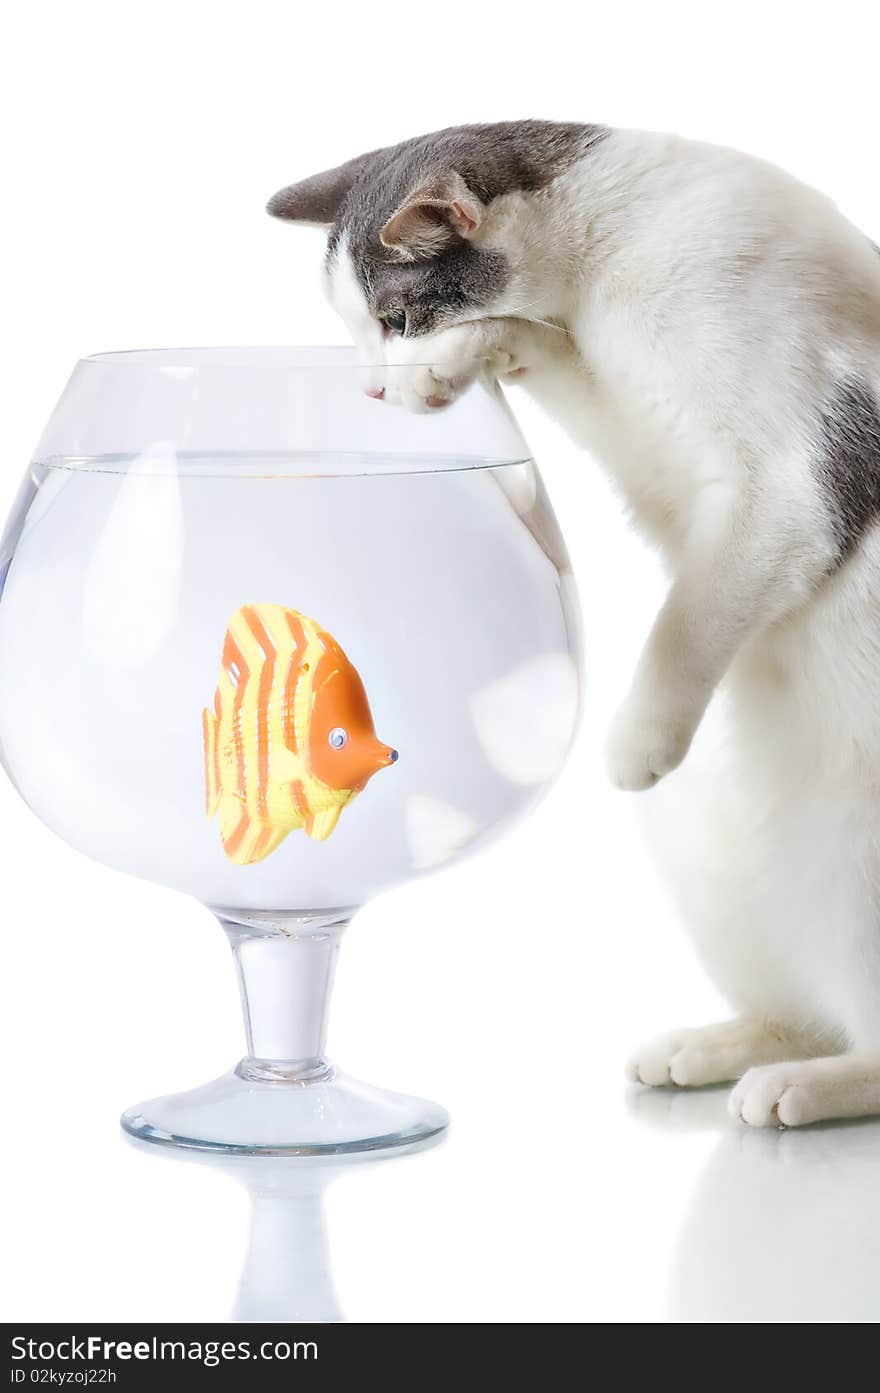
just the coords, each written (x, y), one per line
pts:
(281, 646)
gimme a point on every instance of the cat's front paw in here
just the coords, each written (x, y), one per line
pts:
(432, 388)
(644, 744)
(452, 360)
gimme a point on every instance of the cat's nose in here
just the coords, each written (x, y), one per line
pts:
(377, 393)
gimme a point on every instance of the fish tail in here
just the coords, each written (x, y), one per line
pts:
(212, 780)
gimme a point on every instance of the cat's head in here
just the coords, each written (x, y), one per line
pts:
(418, 239)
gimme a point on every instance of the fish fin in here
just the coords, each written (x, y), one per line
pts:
(234, 824)
(320, 825)
(212, 786)
(246, 840)
(266, 840)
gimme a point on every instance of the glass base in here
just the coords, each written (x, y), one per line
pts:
(321, 1113)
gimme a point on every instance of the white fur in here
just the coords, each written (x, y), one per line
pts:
(697, 307)
(347, 297)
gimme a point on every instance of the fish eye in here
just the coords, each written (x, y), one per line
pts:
(338, 737)
(394, 323)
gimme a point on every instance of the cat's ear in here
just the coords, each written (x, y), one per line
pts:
(441, 211)
(318, 199)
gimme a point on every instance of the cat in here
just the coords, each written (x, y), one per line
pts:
(709, 328)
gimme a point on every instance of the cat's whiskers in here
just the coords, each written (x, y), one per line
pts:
(521, 312)
(546, 323)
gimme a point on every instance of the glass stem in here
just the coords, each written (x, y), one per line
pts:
(285, 973)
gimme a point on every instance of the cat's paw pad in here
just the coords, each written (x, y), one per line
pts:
(778, 1095)
(643, 746)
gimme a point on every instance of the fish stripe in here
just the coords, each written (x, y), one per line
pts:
(238, 673)
(304, 694)
(247, 719)
(261, 845)
(293, 676)
(300, 802)
(234, 842)
(218, 785)
(212, 783)
(209, 760)
(267, 675)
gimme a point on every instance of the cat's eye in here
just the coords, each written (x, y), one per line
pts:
(338, 737)
(395, 323)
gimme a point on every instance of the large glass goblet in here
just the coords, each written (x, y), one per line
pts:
(281, 646)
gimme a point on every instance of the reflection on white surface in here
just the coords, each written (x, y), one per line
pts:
(435, 830)
(525, 720)
(287, 1273)
(782, 1226)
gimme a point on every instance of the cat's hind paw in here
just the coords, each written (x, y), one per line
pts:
(770, 1096)
(709, 1054)
(795, 1093)
(652, 1063)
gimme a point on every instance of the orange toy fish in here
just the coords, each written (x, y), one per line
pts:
(291, 739)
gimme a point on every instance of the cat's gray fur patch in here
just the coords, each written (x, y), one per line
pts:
(849, 462)
(359, 197)
(492, 160)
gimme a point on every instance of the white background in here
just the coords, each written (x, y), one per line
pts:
(140, 144)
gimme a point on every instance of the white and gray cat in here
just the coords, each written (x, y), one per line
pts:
(710, 329)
